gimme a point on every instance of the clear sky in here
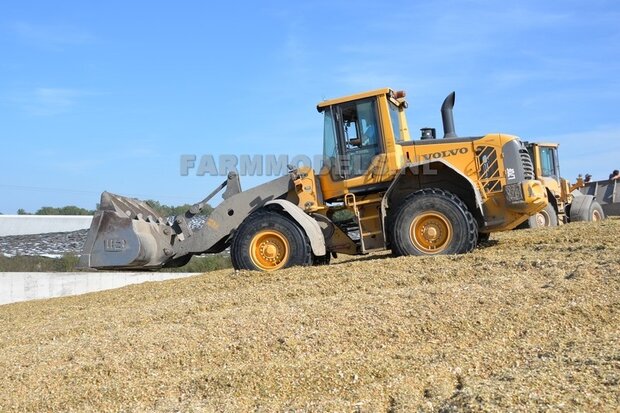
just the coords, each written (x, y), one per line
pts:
(108, 95)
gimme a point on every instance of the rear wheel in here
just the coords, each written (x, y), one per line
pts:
(433, 221)
(587, 212)
(545, 218)
(269, 241)
(596, 212)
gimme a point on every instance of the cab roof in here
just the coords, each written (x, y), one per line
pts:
(376, 92)
(551, 144)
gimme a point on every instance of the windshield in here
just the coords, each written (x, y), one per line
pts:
(330, 146)
(548, 162)
(351, 138)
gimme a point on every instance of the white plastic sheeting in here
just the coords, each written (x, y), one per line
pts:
(42, 224)
(24, 286)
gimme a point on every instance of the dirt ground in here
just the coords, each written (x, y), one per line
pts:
(528, 322)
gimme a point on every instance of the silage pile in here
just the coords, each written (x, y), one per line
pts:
(529, 322)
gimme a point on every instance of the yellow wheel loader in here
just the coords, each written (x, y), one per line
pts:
(566, 202)
(377, 189)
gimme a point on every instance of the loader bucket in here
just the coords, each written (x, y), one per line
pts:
(125, 234)
(606, 193)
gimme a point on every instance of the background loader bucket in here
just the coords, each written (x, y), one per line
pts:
(606, 193)
(125, 234)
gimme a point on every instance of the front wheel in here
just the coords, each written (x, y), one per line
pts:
(269, 241)
(433, 221)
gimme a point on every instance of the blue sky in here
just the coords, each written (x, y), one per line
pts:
(109, 95)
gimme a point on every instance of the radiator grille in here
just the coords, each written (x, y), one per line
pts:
(489, 168)
(528, 166)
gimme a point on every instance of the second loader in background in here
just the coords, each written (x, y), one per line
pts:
(566, 203)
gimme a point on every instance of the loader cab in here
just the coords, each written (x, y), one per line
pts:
(359, 141)
(351, 138)
(546, 161)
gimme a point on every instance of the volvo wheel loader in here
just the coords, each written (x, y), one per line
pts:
(378, 189)
(566, 204)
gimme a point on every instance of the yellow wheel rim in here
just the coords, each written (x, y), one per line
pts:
(431, 232)
(269, 250)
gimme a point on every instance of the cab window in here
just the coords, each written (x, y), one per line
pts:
(548, 164)
(360, 130)
(351, 138)
(330, 145)
(395, 119)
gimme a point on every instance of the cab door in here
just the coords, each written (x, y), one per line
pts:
(354, 149)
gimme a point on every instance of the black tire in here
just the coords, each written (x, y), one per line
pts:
(483, 237)
(321, 260)
(596, 212)
(264, 232)
(587, 212)
(433, 221)
(545, 218)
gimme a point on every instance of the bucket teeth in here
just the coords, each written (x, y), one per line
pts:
(131, 207)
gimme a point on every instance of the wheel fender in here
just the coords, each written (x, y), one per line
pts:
(307, 223)
(579, 207)
(476, 191)
(403, 172)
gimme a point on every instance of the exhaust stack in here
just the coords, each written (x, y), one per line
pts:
(447, 118)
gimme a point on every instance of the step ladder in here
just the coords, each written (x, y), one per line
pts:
(367, 213)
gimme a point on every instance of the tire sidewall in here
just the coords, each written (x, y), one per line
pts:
(551, 217)
(596, 207)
